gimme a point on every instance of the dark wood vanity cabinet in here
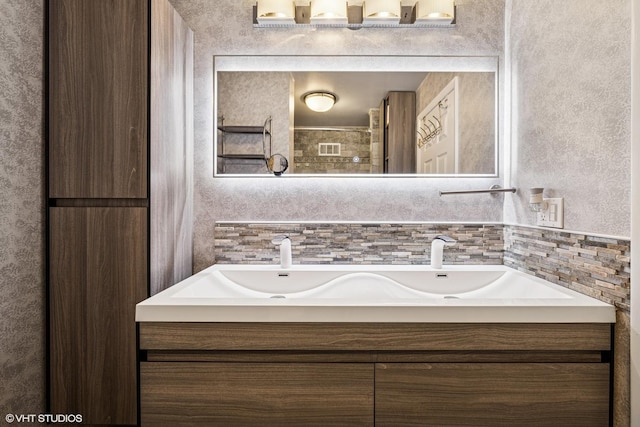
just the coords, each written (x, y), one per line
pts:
(492, 394)
(255, 374)
(260, 394)
(398, 132)
(119, 191)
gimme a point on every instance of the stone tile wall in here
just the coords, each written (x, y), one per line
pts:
(376, 243)
(356, 142)
(374, 125)
(595, 266)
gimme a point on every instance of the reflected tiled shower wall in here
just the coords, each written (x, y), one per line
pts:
(354, 143)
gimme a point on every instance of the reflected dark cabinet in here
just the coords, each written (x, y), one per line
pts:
(398, 132)
(119, 191)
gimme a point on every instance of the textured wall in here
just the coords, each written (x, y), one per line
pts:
(570, 70)
(225, 28)
(22, 304)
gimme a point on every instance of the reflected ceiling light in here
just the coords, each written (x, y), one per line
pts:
(276, 9)
(329, 11)
(382, 9)
(435, 9)
(319, 101)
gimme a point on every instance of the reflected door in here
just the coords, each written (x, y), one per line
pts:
(437, 148)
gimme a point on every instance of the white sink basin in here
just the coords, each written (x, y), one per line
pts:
(360, 282)
(341, 283)
(382, 293)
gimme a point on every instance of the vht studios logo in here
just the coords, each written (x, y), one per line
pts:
(43, 418)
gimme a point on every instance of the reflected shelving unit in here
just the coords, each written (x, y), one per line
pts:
(253, 135)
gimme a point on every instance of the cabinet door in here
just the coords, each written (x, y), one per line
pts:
(98, 97)
(98, 272)
(492, 394)
(256, 394)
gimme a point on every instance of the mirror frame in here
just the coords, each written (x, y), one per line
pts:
(358, 63)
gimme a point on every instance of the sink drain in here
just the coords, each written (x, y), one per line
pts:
(277, 296)
(451, 297)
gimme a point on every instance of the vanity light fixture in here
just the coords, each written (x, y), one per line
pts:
(328, 12)
(382, 10)
(435, 10)
(319, 101)
(354, 14)
(283, 11)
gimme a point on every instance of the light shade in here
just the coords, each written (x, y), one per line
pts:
(329, 10)
(383, 9)
(435, 9)
(276, 9)
(320, 101)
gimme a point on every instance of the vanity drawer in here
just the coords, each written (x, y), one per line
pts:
(496, 394)
(246, 394)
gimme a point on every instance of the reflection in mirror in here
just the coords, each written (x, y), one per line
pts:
(425, 116)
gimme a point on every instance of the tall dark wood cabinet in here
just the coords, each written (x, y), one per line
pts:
(120, 156)
(97, 274)
(98, 98)
(398, 132)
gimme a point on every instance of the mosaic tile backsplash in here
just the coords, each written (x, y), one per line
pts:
(595, 266)
(317, 243)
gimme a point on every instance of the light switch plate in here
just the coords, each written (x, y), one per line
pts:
(553, 216)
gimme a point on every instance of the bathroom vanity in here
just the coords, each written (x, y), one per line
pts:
(219, 349)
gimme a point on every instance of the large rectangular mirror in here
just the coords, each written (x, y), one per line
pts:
(387, 116)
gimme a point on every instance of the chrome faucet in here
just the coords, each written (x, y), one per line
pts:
(437, 246)
(285, 250)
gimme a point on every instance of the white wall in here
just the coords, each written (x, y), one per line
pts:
(635, 211)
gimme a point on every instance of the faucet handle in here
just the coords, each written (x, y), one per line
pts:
(279, 239)
(446, 239)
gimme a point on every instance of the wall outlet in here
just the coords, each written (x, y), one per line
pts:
(553, 216)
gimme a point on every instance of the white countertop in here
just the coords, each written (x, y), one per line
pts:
(195, 298)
